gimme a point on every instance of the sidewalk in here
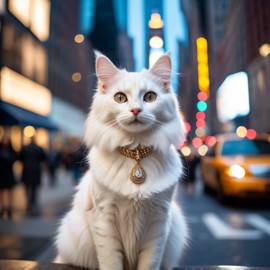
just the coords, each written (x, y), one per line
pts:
(30, 237)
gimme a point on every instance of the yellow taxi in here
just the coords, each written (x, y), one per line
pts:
(238, 167)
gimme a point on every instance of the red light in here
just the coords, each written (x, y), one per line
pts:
(200, 123)
(197, 142)
(188, 127)
(185, 143)
(251, 134)
(200, 115)
(210, 141)
(202, 96)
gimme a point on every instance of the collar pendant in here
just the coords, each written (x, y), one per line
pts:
(137, 174)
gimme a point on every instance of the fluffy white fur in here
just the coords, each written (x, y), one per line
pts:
(114, 223)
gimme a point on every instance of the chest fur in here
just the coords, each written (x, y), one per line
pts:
(134, 222)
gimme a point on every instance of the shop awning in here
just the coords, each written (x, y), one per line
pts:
(13, 115)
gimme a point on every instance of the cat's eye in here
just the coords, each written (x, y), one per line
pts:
(150, 96)
(120, 97)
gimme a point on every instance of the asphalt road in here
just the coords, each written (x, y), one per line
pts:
(234, 234)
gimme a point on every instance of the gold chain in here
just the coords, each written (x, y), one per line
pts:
(136, 154)
(137, 173)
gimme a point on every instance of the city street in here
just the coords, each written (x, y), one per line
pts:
(236, 234)
(29, 236)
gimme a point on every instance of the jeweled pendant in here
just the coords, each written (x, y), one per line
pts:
(137, 174)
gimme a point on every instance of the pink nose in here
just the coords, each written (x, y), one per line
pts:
(136, 111)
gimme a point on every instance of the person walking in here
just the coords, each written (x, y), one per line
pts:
(7, 179)
(32, 157)
(53, 157)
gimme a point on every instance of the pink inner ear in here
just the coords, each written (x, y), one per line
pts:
(162, 69)
(105, 71)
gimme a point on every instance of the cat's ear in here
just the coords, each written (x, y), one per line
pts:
(163, 69)
(105, 70)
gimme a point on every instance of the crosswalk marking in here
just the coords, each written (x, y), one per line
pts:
(258, 222)
(221, 230)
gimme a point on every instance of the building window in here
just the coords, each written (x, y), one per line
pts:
(24, 54)
(34, 14)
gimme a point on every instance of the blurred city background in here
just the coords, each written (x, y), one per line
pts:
(220, 52)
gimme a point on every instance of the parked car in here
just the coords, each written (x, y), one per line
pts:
(238, 167)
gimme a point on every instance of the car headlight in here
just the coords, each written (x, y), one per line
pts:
(236, 171)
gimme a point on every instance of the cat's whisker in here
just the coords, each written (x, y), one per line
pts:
(161, 129)
(111, 124)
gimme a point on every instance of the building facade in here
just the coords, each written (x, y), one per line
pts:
(246, 30)
(46, 71)
(25, 97)
(70, 68)
(238, 38)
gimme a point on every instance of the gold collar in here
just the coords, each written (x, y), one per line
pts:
(137, 173)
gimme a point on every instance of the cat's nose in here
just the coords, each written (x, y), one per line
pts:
(136, 111)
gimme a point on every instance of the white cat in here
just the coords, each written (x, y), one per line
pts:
(123, 215)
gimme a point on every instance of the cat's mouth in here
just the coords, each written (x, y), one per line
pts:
(135, 122)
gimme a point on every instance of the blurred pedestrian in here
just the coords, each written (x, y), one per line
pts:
(7, 179)
(67, 158)
(54, 157)
(32, 157)
(192, 161)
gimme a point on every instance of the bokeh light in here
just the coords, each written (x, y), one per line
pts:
(29, 131)
(200, 123)
(201, 43)
(188, 127)
(76, 77)
(156, 42)
(210, 141)
(186, 151)
(241, 132)
(251, 134)
(155, 22)
(200, 132)
(79, 38)
(200, 115)
(202, 96)
(197, 142)
(202, 150)
(202, 106)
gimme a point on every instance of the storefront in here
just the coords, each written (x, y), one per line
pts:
(25, 108)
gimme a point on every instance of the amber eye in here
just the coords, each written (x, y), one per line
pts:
(150, 97)
(120, 97)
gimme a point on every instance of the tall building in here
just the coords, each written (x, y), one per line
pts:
(70, 68)
(46, 71)
(26, 101)
(246, 30)
(188, 62)
(105, 25)
(238, 38)
(258, 19)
